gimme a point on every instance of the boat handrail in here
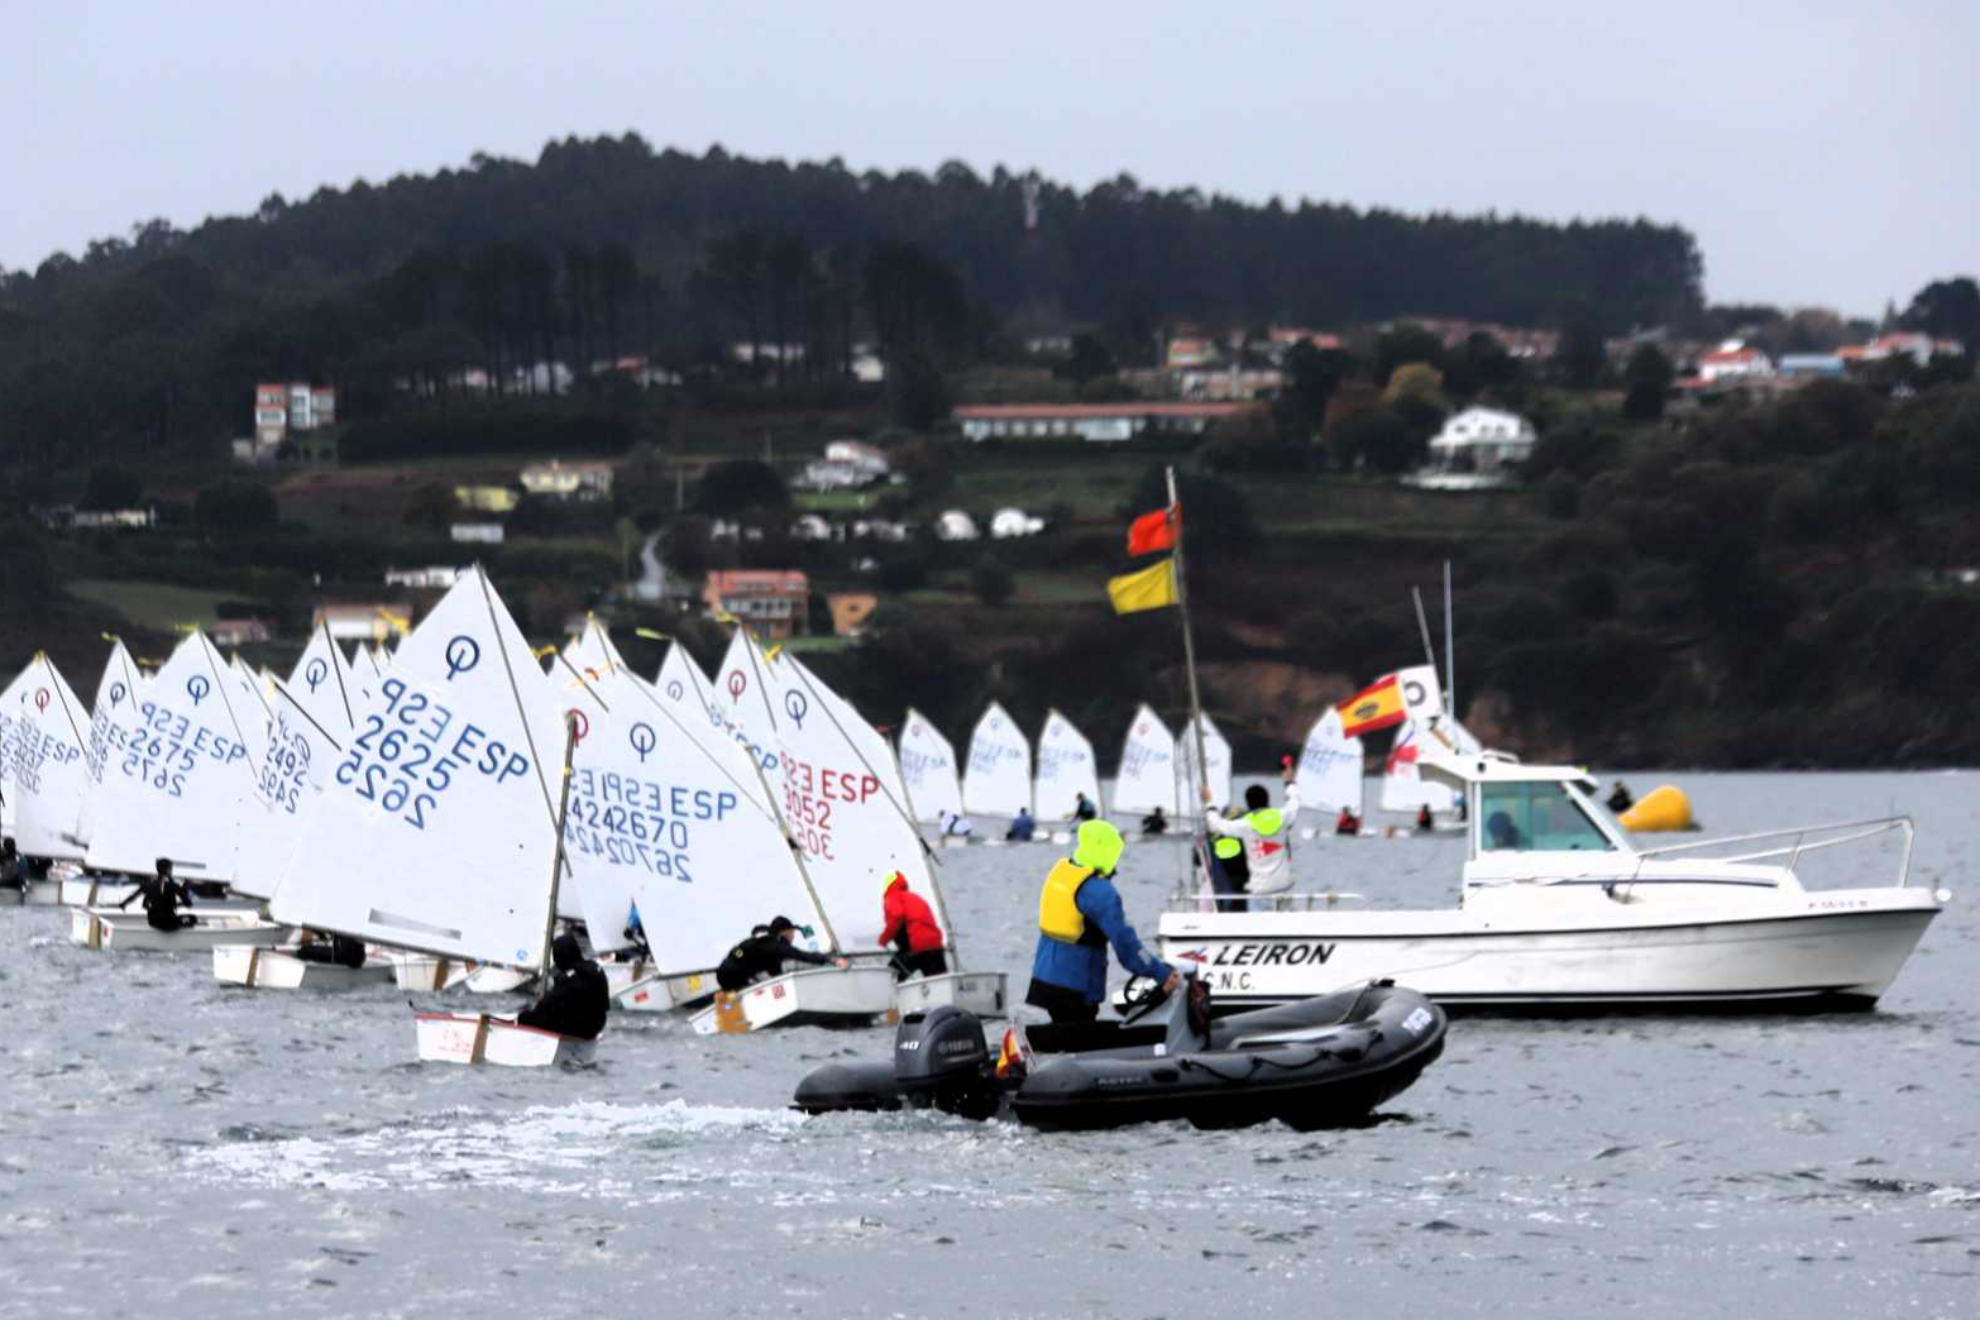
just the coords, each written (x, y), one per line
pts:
(1282, 902)
(1799, 834)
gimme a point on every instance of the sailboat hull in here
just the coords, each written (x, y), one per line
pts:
(278, 969)
(986, 994)
(98, 928)
(477, 1038)
(820, 997)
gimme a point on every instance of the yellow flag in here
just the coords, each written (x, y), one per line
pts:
(1150, 589)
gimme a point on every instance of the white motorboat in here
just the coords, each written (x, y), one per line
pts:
(108, 928)
(1560, 910)
(280, 969)
(817, 996)
(986, 994)
(474, 1038)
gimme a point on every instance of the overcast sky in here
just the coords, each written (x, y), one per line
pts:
(1823, 152)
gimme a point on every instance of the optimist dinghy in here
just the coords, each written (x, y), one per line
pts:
(109, 928)
(280, 969)
(485, 1038)
(1324, 1062)
(438, 829)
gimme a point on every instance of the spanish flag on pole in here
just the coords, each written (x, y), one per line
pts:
(1149, 589)
(1377, 707)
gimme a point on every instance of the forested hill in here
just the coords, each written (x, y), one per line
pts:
(1114, 250)
(607, 244)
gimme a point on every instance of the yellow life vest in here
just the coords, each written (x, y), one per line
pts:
(1058, 910)
(1227, 846)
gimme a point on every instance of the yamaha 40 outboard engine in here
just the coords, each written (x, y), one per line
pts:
(941, 1059)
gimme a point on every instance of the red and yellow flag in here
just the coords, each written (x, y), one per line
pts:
(1377, 707)
(1149, 589)
(1154, 531)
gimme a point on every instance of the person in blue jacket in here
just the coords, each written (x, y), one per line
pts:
(1079, 915)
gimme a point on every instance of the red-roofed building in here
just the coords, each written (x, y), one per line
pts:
(774, 602)
(1106, 422)
(1734, 360)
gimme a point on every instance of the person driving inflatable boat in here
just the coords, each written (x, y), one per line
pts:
(1079, 915)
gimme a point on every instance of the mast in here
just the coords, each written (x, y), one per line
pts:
(557, 864)
(1450, 649)
(1189, 650)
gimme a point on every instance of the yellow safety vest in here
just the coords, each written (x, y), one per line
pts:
(1227, 846)
(1058, 911)
(1266, 820)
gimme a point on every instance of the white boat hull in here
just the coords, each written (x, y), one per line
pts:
(88, 891)
(473, 1038)
(986, 994)
(487, 980)
(1828, 948)
(96, 928)
(637, 988)
(817, 996)
(39, 893)
(420, 971)
(280, 969)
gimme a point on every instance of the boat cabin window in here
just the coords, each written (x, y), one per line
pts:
(1535, 818)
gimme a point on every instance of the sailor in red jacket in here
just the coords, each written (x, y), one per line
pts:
(910, 927)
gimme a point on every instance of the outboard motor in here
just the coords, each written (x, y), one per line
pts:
(941, 1059)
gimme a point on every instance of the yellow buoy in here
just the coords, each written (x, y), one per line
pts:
(1662, 808)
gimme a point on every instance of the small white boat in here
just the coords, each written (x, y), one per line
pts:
(280, 969)
(983, 993)
(817, 996)
(101, 928)
(420, 971)
(1559, 909)
(39, 893)
(491, 980)
(482, 1038)
(81, 891)
(657, 992)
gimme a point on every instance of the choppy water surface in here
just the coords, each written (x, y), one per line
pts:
(173, 1148)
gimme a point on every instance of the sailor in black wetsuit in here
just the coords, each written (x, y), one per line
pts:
(764, 954)
(337, 950)
(13, 868)
(578, 998)
(163, 897)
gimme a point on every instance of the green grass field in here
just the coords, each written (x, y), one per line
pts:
(155, 605)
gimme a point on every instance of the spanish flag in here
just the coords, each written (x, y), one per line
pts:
(1149, 589)
(1377, 707)
(1154, 531)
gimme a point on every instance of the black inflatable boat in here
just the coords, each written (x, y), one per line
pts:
(1322, 1062)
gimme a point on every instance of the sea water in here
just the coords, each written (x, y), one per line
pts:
(170, 1146)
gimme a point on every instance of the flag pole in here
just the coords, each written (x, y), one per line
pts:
(1189, 647)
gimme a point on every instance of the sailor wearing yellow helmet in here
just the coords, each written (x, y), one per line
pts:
(1079, 915)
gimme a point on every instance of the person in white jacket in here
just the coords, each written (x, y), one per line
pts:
(1266, 831)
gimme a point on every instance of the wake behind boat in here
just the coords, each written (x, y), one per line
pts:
(1560, 910)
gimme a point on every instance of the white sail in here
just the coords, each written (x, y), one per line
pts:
(997, 779)
(677, 822)
(1217, 755)
(309, 723)
(592, 652)
(928, 769)
(742, 704)
(173, 788)
(1403, 789)
(9, 730)
(843, 800)
(112, 719)
(49, 776)
(437, 829)
(1066, 768)
(1147, 777)
(1330, 767)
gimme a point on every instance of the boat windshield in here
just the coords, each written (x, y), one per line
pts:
(1529, 817)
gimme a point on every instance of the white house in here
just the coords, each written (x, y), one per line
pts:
(1735, 360)
(1006, 523)
(1481, 441)
(955, 525)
